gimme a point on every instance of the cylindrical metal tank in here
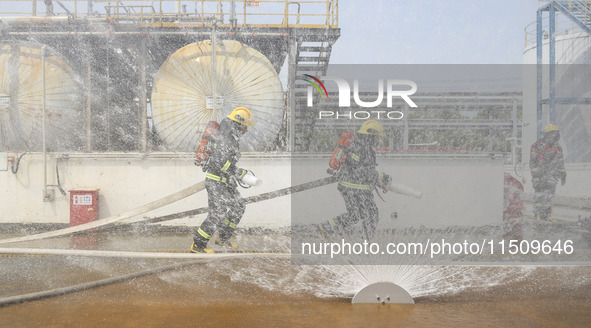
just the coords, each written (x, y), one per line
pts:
(183, 94)
(21, 99)
(573, 55)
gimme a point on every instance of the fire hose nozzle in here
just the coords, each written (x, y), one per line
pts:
(405, 190)
(251, 180)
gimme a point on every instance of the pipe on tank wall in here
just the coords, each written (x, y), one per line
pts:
(43, 54)
(36, 19)
(214, 68)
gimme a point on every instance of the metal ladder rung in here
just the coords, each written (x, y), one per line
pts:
(308, 58)
(313, 49)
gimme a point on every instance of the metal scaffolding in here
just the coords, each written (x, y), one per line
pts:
(579, 14)
(116, 47)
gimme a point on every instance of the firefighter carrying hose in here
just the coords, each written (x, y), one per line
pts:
(225, 204)
(546, 164)
(357, 179)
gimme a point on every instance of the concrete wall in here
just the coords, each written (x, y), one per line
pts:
(577, 184)
(127, 181)
(456, 191)
(462, 191)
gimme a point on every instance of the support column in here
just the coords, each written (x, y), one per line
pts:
(143, 114)
(552, 117)
(514, 133)
(291, 78)
(539, 74)
(89, 97)
(405, 131)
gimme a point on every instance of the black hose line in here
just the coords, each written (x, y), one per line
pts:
(57, 173)
(94, 284)
(18, 161)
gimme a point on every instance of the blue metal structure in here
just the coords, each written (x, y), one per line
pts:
(579, 13)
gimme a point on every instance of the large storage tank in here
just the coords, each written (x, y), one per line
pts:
(183, 94)
(573, 56)
(21, 99)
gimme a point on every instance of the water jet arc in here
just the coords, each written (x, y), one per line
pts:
(383, 292)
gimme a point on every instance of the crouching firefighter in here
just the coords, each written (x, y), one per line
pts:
(225, 205)
(354, 163)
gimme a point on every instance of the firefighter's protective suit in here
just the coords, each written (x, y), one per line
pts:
(225, 205)
(546, 164)
(357, 179)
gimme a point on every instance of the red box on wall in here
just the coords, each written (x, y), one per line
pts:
(84, 206)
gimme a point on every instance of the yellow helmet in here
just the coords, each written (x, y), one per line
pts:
(372, 127)
(550, 128)
(241, 115)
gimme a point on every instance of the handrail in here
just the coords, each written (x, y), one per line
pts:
(299, 10)
(564, 26)
(264, 13)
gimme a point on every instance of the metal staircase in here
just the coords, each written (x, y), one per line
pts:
(573, 117)
(582, 11)
(579, 12)
(312, 59)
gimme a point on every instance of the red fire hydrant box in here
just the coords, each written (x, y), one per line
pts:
(84, 206)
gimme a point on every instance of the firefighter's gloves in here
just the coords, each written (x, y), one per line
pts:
(240, 173)
(383, 181)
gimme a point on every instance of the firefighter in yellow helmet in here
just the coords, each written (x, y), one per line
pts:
(546, 164)
(358, 177)
(225, 205)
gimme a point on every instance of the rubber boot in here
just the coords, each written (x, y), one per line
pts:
(200, 243)
(229, 244)
(201, 250)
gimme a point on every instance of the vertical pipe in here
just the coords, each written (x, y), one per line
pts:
(34, 8)
(43, 49)
(405, 131)
(539, 74)
(552, 117)
(108, 96)
(285, 14)
(514, 132)
(143, 97)
(327, 13)
(489, 132)
(233, 14)
(291, 77)
(214, 70)
(391, 141)
(89, 8)
(89, 98)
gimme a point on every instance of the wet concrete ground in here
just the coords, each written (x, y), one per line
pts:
(263, 292)
(212, 296)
